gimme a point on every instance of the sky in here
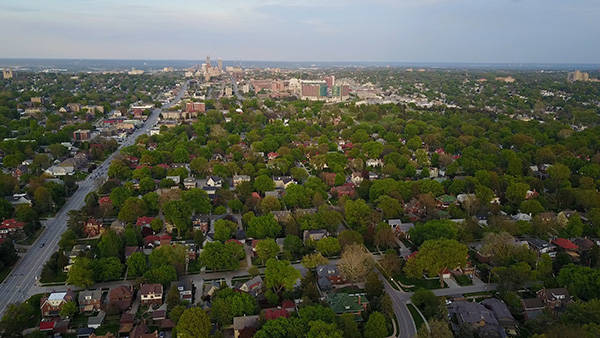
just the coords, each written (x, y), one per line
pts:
(512, 31)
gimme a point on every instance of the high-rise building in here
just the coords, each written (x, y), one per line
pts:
(220, 64)
(323, 90)
(330, 80)
(578, 76)
(208, 61)
(7, 74)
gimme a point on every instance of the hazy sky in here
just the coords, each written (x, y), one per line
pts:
(557, 31)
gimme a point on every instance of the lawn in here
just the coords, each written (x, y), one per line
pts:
(417, 283)
(463, 280)
(415, 315)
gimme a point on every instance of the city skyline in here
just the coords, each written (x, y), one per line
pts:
(503, 31)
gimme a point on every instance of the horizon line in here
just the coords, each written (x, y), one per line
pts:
(305, 61)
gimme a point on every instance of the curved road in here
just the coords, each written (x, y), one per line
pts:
(20, 284)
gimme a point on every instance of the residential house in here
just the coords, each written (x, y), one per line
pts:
(328, 178)
(502, 314)
(356, 178)
(274, 313)
(120, 297)
(554, 299)
(401, 229)
(200, 223)
(253, 286)
(185, 290)
(314, 235)
(239, 179)
(19, 199)
(214, 182)
(176, 179)
(245, 326)
(328, 275)
(567, 246)
(541, 247)
(282, 182)
(93, 228)
(347, 189)
(444, 201)
(11, 227)
(282, 216)
(89, 300)
(352, 303)
(96, 321)
(51, 305)
(476, 317)
(374, 162)
(532, 307)
(189, 183)
(151, 294)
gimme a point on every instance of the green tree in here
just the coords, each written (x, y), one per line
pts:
(435, 255)
(136, 264)
(179, 214)
(263, 226)
(280, 275)
(347, 323)
(17, 317)
(373, 285)
(266, 249)
(110, 244)
(81, 273)
(376, 326)
(263, 183)
(197, 200)
(42, 199)
(132, 209)
(358, 213)
(515, 193)
(329, 246)
(311, 261)
(106, 269)
(320, 329)
(163, 274)
(68, 310)
(427, 302)
(219, 256)
(347, 237)
(434, 229)
(119, 195)
(390, 207)
(194, 322)
(224, 229)
(439, 329)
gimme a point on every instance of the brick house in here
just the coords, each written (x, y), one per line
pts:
(89, 300)
(93, 227)
(51, 305)
(151, 294)
(120, 297)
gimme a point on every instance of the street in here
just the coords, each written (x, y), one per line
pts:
(21, 283)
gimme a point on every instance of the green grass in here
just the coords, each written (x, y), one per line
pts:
(463, 280)
(417, 283)
(415, 315)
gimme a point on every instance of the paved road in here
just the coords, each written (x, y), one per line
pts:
(406, 327)
(20, 284)
(235, 89)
